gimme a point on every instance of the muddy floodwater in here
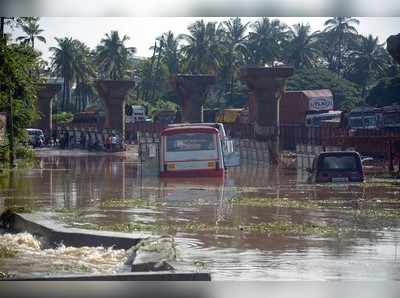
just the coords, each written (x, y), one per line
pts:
(254, 224)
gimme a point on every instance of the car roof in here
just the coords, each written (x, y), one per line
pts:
(338, 153)
(185, 129)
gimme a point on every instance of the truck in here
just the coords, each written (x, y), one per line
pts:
(295, 106)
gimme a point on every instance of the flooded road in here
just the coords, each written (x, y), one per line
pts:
(255, 224)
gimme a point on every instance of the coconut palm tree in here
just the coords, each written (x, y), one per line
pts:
(342, 29)
(266, 41)
(63, 65)
(169, 51)
(84, 71)
(203, 47)
(235, 47)
(113, 57)
(32, 30)
(369, 60)
(301, 49)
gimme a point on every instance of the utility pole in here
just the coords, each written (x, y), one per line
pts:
(11, 132)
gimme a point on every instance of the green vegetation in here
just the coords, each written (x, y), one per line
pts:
(18, 68)
(63, 117)
(288, 228)
(271, 202)
(346, 94)
(276, 228)
(386, 92)
(129, 203)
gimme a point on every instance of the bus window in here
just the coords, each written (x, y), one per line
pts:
(190, 142)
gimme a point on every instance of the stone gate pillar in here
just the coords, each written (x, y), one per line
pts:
(393, 47)
(114, 95)
(192, 91)
(44, 107)
(267, 85)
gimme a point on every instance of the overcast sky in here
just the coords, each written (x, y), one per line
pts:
(143, 30)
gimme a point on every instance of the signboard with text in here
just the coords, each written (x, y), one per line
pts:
(320, 104)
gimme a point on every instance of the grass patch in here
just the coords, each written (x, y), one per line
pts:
(130, 203)
(276, 203)
(278, 228)
(288, 228)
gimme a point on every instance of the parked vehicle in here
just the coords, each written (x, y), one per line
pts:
(296, 105)
(231, 157)
(364, 118)
(35, 137)
(228, 115)
(165, 117)
(191, 151)
(337, 166)
(324, 119)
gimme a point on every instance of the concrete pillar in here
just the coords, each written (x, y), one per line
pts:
(44, 107)
(267, 85)
(393, 47)
(192, 90)
(114, 95)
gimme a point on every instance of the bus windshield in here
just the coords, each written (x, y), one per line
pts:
(191, 142)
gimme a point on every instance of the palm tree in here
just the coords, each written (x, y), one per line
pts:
(83, 69)
(235, 46)
(62, 64)
(32, 31)
(301, 48)
(342, 29)
(369, 59)
(113, 57)
(169, 51)
(203, 47)
(265, 43)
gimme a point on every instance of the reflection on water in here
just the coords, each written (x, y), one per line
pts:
(207, 215)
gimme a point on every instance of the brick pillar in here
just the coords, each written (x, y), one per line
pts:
(114, 95)
(192, 90)
(267, 85)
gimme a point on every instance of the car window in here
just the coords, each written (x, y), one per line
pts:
(339, 163)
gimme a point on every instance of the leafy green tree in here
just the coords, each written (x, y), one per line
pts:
(386, 92)
(340, 31)
(113, 57)
(301, 48)
(346, 94)
(32, 30)
(18, 88)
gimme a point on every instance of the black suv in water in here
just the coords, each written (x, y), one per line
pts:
(337, 166)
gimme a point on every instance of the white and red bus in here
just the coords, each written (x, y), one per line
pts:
(191, 151)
